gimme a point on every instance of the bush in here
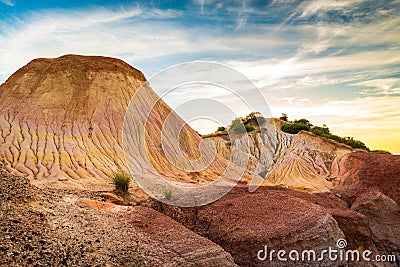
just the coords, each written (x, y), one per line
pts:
(249, 128)
(122, 181)
(303, 121)
(221, 129)
(350, 141)
(294, 128)
(167, 194)
(320, 130)
(254, 116)
(305, 125)
(237, 126)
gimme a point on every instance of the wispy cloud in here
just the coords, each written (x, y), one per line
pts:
(388, 86)
(278, 73)
(8, 2)
(129, 33)
(135, 34)
(309, 8)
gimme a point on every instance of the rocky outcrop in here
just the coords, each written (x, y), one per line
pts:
(180, 245)
(354, 225)
(369, 185)
(383, 216)
(257, 150)
(308, 164)
(302, 161)
(60, 118)
(243, 223)
(360, 171)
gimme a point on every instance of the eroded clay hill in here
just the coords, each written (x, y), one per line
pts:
(302, 161)
(61, 123)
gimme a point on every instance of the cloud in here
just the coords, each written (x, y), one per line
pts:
(287, 73)
(334, 12)
(132, 34)
(293, 100)
(314, 7)
(144, 35)
(8, 2)
(329, 53)
(138, 35)
(388, 86)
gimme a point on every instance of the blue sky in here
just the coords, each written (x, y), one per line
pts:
(333, 61)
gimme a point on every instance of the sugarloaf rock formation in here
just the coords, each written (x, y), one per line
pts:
(61, 123)
(60, 118)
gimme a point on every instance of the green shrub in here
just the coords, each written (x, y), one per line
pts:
(254, 116)
(305, 125)
(320, 130)
(121, 181)
(167, 194)
(249, 128)
(350, 141)
(221, 128)
(303, 121)
(294, 128)
(237, 126)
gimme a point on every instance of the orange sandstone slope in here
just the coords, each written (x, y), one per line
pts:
(61, 123)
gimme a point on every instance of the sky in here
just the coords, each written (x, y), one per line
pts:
(335, 62)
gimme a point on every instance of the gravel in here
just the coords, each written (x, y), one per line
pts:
(47, 228)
